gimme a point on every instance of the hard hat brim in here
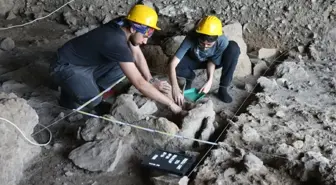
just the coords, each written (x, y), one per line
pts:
(217, 34)
(157, 28)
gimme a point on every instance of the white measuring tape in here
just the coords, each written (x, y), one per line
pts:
(113, 120)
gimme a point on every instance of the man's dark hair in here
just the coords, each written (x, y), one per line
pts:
(207, 38)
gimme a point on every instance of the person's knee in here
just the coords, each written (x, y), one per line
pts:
(185, 73)
(234, 48)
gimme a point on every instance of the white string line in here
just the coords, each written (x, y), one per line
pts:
(25, 137)
(31, 22)
(233, 117)
(82, 106)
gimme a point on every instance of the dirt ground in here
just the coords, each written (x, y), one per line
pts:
(263, 118)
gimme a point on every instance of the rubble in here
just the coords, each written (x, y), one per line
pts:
(282, 121)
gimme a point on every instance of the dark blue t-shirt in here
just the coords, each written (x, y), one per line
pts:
(190, 47)
(105, 44)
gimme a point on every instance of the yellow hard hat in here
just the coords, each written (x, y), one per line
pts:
(210, 25)
(143, 15)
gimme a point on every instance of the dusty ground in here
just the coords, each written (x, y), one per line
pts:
(286, 117)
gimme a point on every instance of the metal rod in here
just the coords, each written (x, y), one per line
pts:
(100, 94)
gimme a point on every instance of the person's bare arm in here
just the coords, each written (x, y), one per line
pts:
(140, 62)
(147, 89)
(176, 91)
(210, 70)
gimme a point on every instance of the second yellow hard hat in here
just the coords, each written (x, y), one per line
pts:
(210, 25)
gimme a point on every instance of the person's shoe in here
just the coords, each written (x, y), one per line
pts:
(66, 102)
(188, 84)
(224, 95)
(102, 108)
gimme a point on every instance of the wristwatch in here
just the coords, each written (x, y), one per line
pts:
(153, 80)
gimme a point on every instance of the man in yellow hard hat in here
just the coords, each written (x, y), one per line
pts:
(204, 48)
(89, 63)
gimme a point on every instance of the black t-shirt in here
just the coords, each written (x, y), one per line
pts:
(103, 45)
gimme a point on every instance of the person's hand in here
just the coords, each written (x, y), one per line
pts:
(162, 86)
(178, 96)
(206, 87)
(175, 108)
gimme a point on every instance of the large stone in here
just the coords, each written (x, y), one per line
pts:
(267, 53)
(125, 109)
(156, 139)
(15, 151)
(235, 33)
(156, 59)
(7, 44)
(97, 129)
(199, 123)
(106, 155)
(196, 117)
(6, 6)
(171, 45)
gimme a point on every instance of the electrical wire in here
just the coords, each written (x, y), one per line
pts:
(25, 137)
(40, 18)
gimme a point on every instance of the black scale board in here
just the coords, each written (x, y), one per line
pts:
(170, 162)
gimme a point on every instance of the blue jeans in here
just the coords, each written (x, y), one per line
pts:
(81, 83)
(228, 64)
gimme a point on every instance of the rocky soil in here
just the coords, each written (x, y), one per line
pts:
(281, 132)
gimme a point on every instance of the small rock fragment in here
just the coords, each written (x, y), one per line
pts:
(70, 19)
(82, 31)
(298, 144)
(165, 180)
(107, 19)
(249, 87)
(11, 16)
(301, 49)
(280, 114)
(184, 180)
(260, 68)
(250, 134)
(7, 44)
(76, 117)
(68, 174)
(57, 146)
(252, 163)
